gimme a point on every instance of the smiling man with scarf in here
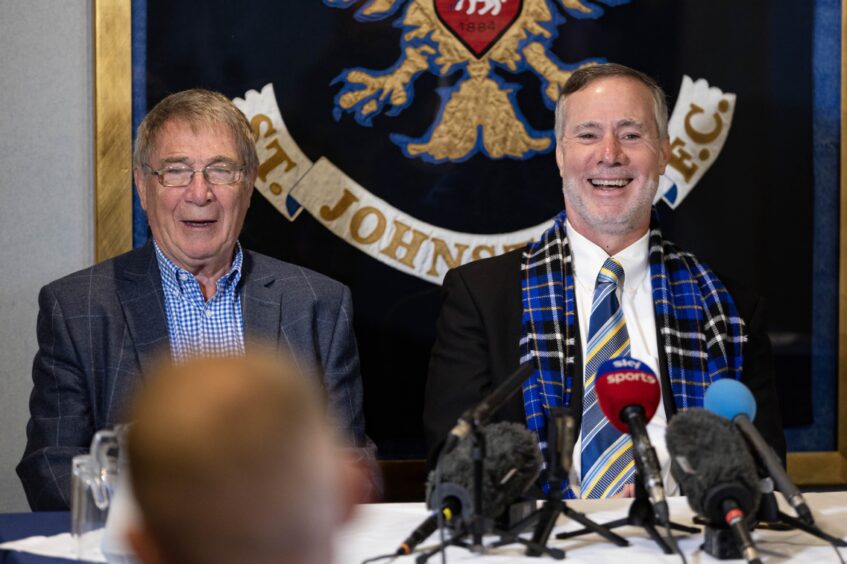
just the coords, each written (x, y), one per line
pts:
(600, 283)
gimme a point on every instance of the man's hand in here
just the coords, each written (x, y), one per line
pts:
(357, 482)
(627, 491)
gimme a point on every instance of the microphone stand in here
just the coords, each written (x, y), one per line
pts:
(769, 516)
(546, 516)
(471, 422)
(786, 522)
(477, 458)
(640, 515)
(476, 524)
(811, 529)
(455, 540)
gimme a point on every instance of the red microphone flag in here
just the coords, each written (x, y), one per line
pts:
(623, 382)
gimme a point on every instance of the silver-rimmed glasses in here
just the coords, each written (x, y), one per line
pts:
(178, 176)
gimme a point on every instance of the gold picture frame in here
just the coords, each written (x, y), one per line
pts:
(112, 128)
(830, 468)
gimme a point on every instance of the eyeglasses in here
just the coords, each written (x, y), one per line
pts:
(180, 176)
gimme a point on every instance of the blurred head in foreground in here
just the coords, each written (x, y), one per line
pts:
(231, 461)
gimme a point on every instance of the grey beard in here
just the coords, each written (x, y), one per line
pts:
(619, 224)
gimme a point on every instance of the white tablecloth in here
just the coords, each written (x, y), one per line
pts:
(379, 528)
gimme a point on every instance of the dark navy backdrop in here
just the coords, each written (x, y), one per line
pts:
(750, 218)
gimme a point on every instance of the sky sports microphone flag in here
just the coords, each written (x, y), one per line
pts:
(628, 393)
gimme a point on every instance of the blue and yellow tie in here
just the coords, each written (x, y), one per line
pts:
(607, 463)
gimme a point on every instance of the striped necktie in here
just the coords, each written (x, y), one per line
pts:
(607, 463)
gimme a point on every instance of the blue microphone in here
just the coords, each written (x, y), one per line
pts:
(733, 400)
(730, 398)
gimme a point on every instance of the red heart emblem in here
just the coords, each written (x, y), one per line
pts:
(478, 24)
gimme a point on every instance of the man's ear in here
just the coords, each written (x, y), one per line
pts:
(560, 157)
(140, 186)
(250, 184)
(664, 155)
(144, 545)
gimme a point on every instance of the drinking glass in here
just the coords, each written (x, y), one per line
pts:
(93, 479)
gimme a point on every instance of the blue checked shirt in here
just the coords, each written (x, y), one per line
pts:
(197, 327)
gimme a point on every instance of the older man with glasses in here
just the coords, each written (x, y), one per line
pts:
(192, 291)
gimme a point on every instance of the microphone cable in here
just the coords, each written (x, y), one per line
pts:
(837, 552)
(392, 556)
(440, 520)
(671, 540)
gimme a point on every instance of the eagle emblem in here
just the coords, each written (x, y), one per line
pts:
(472, 45)
(473, 48)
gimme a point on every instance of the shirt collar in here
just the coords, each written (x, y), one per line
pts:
(589, 257)
(173, 274)
(232, 277)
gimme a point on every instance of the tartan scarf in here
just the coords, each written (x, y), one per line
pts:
(701, 332)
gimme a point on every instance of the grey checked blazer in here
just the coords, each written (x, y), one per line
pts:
(100, 328)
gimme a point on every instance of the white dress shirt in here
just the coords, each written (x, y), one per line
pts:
(636, 298)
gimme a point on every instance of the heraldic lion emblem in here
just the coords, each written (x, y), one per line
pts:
(482, 41)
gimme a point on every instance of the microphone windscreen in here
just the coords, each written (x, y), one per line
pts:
(730, 398)
(710, 462)
(622, 382)
(512, 463)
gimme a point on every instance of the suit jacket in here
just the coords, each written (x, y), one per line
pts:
(101, 328)
(477, 348)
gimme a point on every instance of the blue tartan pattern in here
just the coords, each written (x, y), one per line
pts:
(701, 332)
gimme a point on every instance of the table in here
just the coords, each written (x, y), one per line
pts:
(379, 528)
(20, 525)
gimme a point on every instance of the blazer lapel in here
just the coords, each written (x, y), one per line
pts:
(139, 289)
(260, 302)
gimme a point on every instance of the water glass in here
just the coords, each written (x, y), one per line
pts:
(93, 480)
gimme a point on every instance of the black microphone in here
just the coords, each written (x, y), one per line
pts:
(512, 464)
(717, 474)
(561, 436)
(451, 507)
(481, 413)
(628, 393)
(733, 400)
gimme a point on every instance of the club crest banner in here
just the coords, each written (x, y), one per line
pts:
(292, 182)
(400, 138)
